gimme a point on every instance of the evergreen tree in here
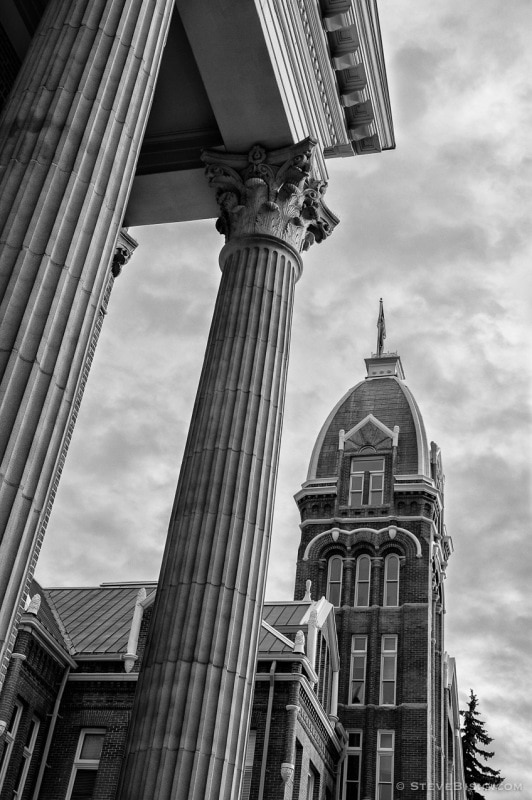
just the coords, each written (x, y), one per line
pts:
(473, 735)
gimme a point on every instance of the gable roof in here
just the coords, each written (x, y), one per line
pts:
(96, 620)
(273, 642)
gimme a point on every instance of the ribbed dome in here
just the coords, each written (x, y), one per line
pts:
(390, 403)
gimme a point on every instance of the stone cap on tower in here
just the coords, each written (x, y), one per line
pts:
(384, 366)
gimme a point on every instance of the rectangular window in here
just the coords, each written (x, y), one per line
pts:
(248, 765)
(353, 763)
(86, 762)
(334, 581)
(359, 647)
(391, 580)
(367, 482)
(27, 753)
(11, 732)
(385, 752)
(388, 670)
(362, 582)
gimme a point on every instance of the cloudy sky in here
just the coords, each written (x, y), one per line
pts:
(440, 229)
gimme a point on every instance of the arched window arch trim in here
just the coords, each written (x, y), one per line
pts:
(348, 536)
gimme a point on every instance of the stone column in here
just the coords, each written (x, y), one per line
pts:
(192, 706)
(69, 140)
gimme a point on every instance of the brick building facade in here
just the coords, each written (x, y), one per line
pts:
(355, 697)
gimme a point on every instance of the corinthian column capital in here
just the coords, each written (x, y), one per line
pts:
(270, 193)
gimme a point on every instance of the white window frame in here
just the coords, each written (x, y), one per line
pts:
(359, 474)
(359, 582)
(10, 740)
(387, 752)
(27, 754)
(352, 751)
(83, 763)
(388, 581)
(388, 654)
(334, 583)
(358, 654)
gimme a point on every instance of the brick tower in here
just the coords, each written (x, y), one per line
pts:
(374, 543)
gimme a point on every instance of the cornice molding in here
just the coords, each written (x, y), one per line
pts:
(32, 625)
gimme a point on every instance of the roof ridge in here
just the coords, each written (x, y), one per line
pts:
(278, 634)
(62, 630)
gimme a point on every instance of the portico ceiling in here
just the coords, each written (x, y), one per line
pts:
(239, 72)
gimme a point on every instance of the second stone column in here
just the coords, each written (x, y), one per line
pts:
(192, 706)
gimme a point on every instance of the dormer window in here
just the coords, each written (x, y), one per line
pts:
(366, 486)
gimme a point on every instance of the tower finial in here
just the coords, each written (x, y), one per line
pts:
(381, 330)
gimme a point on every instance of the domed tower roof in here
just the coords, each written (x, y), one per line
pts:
(377, 408)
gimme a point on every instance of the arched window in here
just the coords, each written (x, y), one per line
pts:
(391, 580)
(362, 583)
(334, 580)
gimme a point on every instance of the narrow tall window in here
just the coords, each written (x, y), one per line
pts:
(334, 581)
(359, 650)
(385, 752)
(362, 582)
(388, 670)
(313, 784)
(85, 770)
(367, 482)
(248, 765)
(27, 753)
(353, 762)
(310, 785)
(391, 580)
(11, 732)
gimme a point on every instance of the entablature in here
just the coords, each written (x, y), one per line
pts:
(316, 487)
(416, 484)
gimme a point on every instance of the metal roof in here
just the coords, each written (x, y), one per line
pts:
(277, 614)
(271, 641)
(97, 620)
(46, 616)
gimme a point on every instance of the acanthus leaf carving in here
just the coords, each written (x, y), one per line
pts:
(271, 193)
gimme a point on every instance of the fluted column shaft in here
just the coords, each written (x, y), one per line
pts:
(193, 701)
(211, 585)
(69, 141)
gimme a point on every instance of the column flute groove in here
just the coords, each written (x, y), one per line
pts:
(189, 727)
